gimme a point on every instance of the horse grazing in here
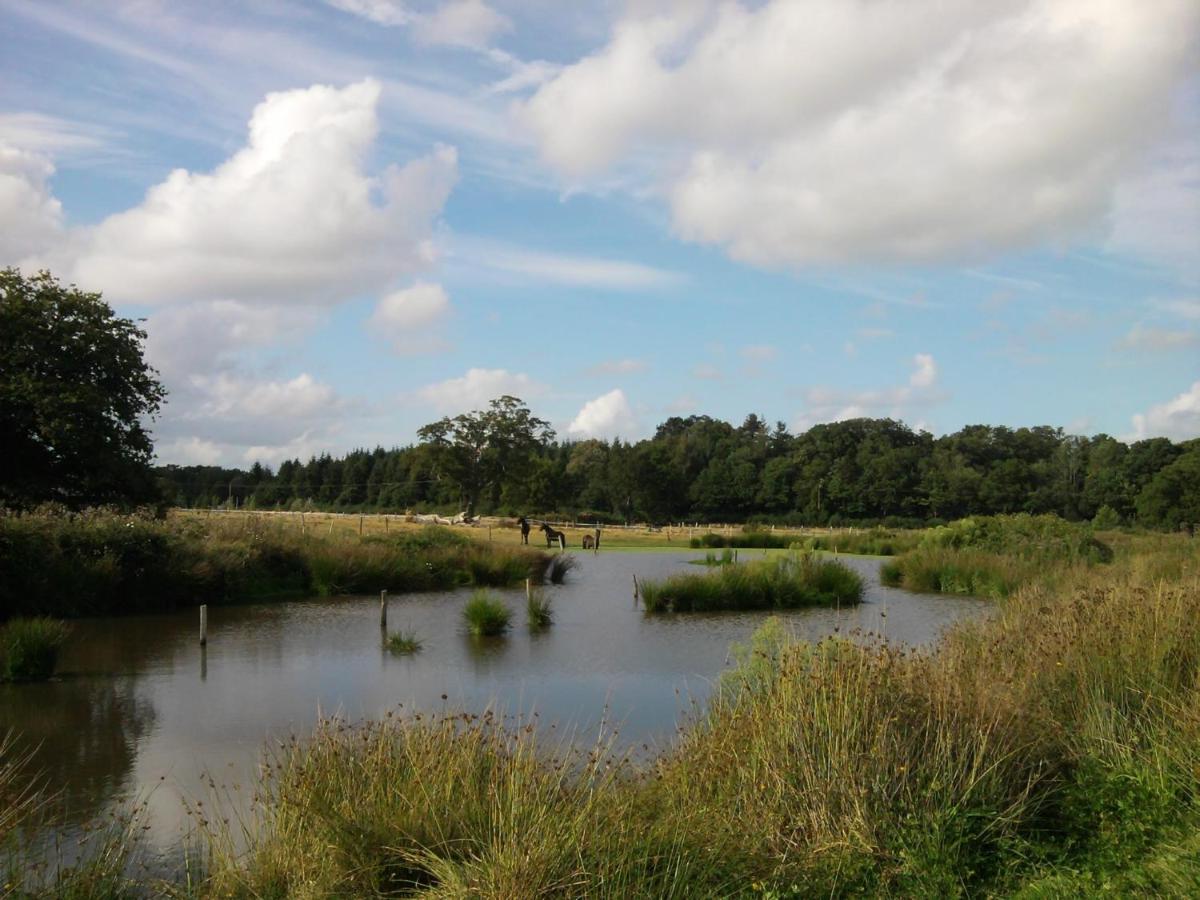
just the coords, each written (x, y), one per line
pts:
(552, 536)
(588, 542)
(524, 523)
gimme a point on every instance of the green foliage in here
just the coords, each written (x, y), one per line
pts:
(1172, 497)
(875, 542)
(1106, 519)
(480, 450)
(796, 580)
(403, 643)
(700, 469)
(29, 648)
(1045, 538)
(485, 615)
(75, 392)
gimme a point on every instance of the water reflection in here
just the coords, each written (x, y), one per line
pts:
(145, 710)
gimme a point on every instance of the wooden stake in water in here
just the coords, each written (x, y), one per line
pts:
(596, 544)
(203, 625)
(383, 609)
(635, 587)
(528, 590)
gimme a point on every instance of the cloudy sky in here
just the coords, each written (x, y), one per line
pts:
(343, 219)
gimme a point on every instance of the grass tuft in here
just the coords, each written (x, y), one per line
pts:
(560, 565)
(538, 611)
(29, 648)
(404, 642)
(485, 615)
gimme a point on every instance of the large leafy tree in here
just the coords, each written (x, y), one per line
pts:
(75, 396)
(482, 450)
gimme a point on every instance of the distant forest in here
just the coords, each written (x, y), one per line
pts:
(703, 469)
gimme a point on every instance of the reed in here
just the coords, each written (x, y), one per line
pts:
(485, 615)
(800, 579)
(763, 540)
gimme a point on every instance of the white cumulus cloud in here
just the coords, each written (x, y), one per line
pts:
(292, 216)
(30, 216)
(1177, 419)
(405, 317)
(607, 416)
(827, 404)
(834, 131)
(476, 388)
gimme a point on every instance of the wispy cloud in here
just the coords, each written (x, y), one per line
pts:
(556, 268)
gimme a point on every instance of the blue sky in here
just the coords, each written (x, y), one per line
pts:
(344, 219)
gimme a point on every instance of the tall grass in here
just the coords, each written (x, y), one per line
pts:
(29, 648)
(485, 615)
(460, 806)
(763, 540)
(100, 563)
(800, 579)
(991, 556)
(876, 542)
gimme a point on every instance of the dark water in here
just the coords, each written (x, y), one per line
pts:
(142, 712)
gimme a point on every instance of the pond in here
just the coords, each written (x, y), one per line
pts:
(141, 711)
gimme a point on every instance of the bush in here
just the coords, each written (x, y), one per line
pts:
(29, 648)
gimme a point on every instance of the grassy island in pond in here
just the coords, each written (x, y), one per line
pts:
(796, 580)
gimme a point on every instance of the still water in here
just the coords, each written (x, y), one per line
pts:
(141, 711)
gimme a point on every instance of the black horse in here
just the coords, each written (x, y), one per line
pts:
(524, 523)
(552, 536)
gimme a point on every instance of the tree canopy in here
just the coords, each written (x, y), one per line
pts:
(75, 393)
(505, 460)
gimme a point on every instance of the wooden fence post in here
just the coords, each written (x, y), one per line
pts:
(383, 603)
(203, 624)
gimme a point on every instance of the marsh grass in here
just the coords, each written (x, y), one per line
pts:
(991, 556)
(800, 579)
(762, 540)
(876, 542)
(100, 563)
(712, 559)
(560, 565)
(404, 642)
(29, 648)
(538, 612)
(460, 806)
(485, 615)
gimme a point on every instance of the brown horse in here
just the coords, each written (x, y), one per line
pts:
(588, 542)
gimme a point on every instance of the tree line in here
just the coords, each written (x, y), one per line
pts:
(506, 461)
